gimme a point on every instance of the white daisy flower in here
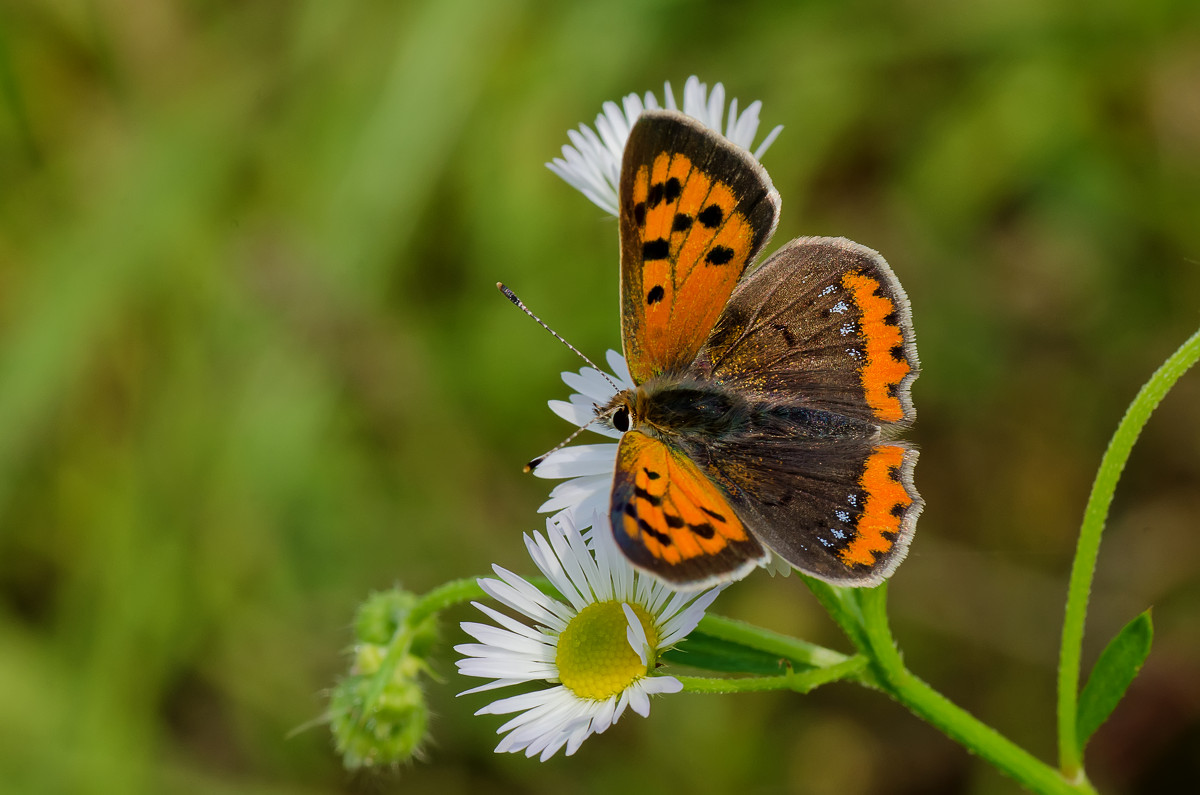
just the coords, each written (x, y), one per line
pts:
(599, 646)
(592, 161)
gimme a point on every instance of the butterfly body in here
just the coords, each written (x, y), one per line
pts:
(766, 398)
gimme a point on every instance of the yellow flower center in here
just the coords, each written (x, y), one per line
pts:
(594, 657)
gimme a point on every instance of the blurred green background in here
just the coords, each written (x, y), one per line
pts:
(253, 366)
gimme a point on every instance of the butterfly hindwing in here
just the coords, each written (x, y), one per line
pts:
(840, 506)
(671, 520)
(694, 211)
(823, 323)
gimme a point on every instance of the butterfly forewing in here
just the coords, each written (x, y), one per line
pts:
(823, 323)
(695, 210)
(671, 520)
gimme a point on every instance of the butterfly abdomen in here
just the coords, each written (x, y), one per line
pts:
(788, 421)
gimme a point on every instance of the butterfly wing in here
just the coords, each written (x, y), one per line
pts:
(670, 519)
(695, 210)
(825, 494)
(823, 323)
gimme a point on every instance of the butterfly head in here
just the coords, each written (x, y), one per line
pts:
(624, 411)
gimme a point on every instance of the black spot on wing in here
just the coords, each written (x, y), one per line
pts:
(658, 248)
(719, 255)
(641, 493)
(661, 538)
(672, 189)
(711, 216)
(655, 295)
(655, 196)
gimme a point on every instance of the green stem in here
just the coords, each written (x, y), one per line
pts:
(1082, 570)
(955, 722)
(801, 682)
(452, 593)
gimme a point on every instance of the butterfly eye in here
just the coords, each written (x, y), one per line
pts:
(620, 420)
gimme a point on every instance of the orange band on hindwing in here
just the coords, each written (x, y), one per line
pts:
(887, 501)
(886, 358)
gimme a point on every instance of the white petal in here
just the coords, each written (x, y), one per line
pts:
(494, 637)
(590, 383)
(501, 649)
(574, 564)
(770, 139)
(582, 459)
(669, 97)
(559, 572)
(493, 685)
(521, 669)
(577, 737)
(525, 598)
(577, 414)
(582, 514)
(605, 716)
(576, 490)
(525, 701)
(654, 685)
(639, 702)
(511, 624)
(681, 624)
(616, 363)
(716, 106)
(636, 634)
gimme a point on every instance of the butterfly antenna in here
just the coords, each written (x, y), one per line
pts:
(535, 463)
(520, 305)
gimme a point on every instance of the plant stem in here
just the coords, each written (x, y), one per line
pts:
(452, 593)
(1083, 568)
(955, 722)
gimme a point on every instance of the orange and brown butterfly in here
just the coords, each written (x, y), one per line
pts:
(766, 398)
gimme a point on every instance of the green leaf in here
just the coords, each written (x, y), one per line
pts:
(1114, 671)
(710, 653)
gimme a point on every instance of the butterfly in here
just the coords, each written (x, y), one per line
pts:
(767, 398)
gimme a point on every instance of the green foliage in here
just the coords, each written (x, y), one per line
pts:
(1112, 674)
